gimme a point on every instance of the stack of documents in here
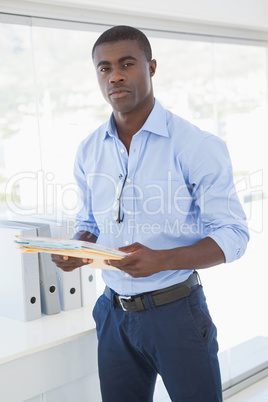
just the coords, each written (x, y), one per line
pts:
(72, 248)
(77, 288)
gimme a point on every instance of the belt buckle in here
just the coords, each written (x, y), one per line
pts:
(120, 298)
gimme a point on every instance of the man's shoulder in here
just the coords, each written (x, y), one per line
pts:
(188, 139)
(90, 147)
(185, 131)
(95, 136)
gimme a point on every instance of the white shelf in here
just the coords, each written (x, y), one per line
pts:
(18, 339)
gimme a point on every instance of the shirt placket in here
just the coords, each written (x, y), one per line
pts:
(130, 162)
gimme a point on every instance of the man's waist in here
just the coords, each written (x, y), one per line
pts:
(159, 297)
(124, 284)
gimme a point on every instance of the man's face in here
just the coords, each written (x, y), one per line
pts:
(124, 75)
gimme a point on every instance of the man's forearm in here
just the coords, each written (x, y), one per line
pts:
(203, 254)
(143, 261)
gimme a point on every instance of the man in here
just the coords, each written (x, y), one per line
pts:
(161, 190)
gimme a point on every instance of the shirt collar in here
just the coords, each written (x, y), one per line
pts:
(156, 123)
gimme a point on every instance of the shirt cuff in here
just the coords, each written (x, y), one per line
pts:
(232, 245)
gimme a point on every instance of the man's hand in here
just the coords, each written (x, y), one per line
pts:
(68, 264)
(142, 261)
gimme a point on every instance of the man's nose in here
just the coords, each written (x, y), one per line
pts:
(116, 76)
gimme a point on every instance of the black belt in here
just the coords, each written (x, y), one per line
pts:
(159, 297)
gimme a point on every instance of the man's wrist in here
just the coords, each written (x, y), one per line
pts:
(85, 236)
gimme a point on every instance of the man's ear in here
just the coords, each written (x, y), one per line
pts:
(152, 67)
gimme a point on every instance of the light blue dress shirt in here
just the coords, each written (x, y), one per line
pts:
(178, 189)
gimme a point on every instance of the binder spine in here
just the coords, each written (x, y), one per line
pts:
(50, 300)
(69, 289)
(31, 291)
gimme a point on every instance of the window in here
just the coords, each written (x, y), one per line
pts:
(49, 102)
(222, 88)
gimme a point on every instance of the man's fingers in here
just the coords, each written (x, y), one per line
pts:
(108, 262)
(67, 263)
(87, 260)
(114, 263)
(130, 248)
(126, 262)
(67, 269)
(58, 257)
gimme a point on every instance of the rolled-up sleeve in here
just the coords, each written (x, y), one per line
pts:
(84, 218)
(217, 206)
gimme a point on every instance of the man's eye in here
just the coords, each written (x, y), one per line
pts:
(128, 64)
(103, 69)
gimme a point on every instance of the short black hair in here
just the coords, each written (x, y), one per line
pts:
(123, 32)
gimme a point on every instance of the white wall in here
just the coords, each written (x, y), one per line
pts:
(174, 15)
(241, 13)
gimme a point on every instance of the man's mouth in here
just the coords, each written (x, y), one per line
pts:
(118, 93)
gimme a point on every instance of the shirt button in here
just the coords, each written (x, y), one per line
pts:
(128, 180)
(122, 150)
(129, 212)
(127, 243)
(126, 275)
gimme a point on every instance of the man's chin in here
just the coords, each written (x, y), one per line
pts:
(122, 107)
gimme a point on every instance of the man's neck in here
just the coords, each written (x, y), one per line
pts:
(128, 124)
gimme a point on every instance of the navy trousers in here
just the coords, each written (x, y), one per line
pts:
(176, 340)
